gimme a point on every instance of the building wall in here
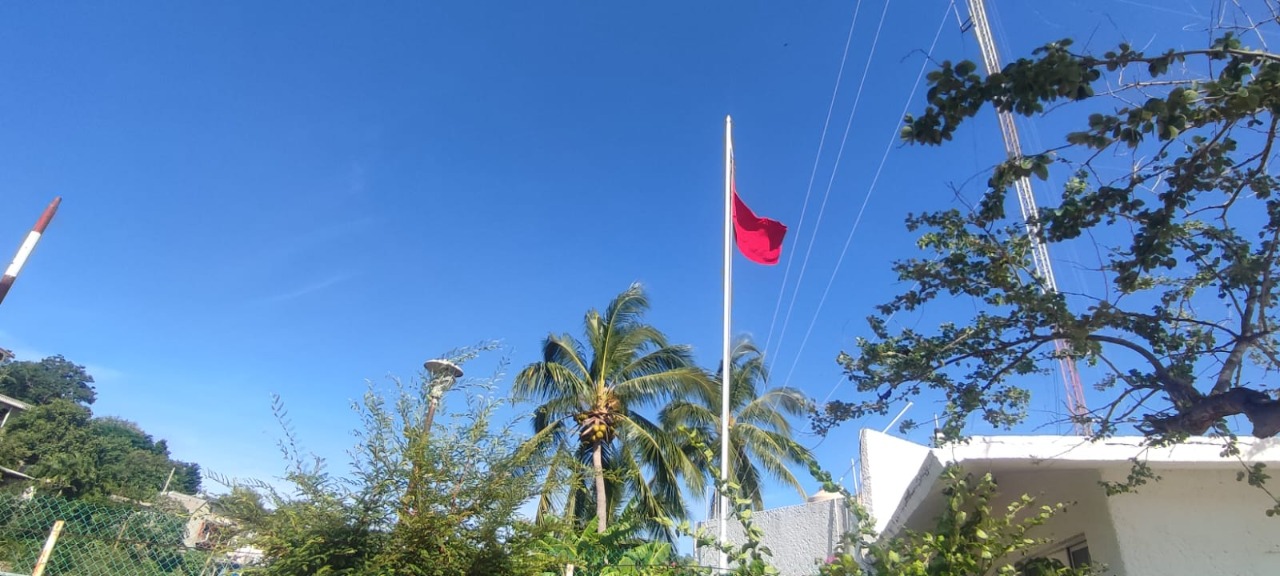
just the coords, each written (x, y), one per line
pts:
(1196, 522)
(799, 536)
(889, 470)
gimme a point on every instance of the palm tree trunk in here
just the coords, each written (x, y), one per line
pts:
(602, 504)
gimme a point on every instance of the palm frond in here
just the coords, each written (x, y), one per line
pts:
(661, 387)
(772, 408)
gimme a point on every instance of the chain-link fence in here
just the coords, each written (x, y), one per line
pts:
(105, 539)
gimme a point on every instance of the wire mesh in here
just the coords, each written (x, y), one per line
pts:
(106, 538)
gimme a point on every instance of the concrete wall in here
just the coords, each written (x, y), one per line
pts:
(799, 536)
(890, 468)
(1196, 521)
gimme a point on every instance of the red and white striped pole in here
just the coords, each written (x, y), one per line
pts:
(28, 245)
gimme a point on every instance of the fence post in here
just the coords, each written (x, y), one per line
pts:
(47, 551)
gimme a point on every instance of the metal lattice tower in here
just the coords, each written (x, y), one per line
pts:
(1027, 203)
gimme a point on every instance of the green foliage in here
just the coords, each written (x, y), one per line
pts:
(604, 454)
(1139, 474)
(75, 455)
(50, 379)
(971, 536)
(760, 436)
(621, 550)
(436, 500)
(1190, 230)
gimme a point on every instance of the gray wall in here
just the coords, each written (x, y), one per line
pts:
(800, 536)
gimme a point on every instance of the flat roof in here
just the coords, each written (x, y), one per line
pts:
(16, 403)
(899, 474)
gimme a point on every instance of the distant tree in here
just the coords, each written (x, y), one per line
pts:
(132, 464)
(52, 442)
(73, 454)
(128, 433)
(52, 378)
(187, 479)
(760, 436)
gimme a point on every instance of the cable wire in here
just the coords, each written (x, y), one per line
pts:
(804, 208)
(870, 191)
(834, 169)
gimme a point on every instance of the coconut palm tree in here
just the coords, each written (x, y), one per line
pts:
(604, 450)
(760, 436)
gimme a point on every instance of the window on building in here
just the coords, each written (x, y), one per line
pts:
(1075, 554)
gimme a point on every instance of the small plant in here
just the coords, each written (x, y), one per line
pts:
(971, 537)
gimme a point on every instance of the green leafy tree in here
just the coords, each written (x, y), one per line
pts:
(52, 442)
(590, 394)
(40, 382)
(760, 435)
(438, 501)
(73, 454)
(1188, 241)
(135, 465)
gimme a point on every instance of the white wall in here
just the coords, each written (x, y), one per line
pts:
(1196, 522)
(890, 469)
(799, 536)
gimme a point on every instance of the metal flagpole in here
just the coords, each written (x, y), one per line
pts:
(28, 244)
(727, 362)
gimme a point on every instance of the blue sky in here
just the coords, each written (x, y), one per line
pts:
(295, 197)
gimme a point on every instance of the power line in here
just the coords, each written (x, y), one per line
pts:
(870, 191)
(834, 170)
(804, 208)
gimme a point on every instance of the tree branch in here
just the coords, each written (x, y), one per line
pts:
(1178, 389)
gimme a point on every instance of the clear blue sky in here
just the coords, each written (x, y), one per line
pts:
(294, 197)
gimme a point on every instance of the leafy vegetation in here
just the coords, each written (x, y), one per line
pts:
(72, 453)
(54, 378)
(971, 537)
(438, 500)
(1184, 319)
(100, 537)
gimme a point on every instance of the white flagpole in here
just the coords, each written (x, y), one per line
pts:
(727, 362)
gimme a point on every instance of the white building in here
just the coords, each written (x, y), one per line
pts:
(1197, 519)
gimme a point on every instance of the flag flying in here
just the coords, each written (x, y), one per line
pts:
(759, 239)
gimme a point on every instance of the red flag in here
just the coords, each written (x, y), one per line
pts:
(759, 239)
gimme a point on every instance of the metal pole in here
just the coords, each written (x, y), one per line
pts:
(726, 352)
(28, 245)
(1030, 214)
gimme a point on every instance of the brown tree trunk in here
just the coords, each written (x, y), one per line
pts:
(602, 503)
(1196, 419)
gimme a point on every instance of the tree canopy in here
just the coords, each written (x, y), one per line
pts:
(604, 450)
(1183, 320)
(74, 454)
(69, 451)
(52, 378)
